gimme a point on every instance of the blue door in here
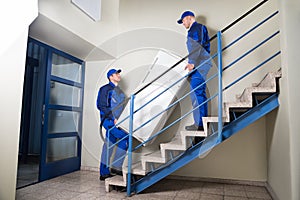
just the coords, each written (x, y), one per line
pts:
(62, 115)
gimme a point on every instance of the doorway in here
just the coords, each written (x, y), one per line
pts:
(50, 131)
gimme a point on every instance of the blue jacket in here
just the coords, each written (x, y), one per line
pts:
(198, 36)
(110, 101)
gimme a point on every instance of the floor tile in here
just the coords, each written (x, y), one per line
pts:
(211, 197)
(234, 198)
(86, 185)
(258, 195)
(236, 193)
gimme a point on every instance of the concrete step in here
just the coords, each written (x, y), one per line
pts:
(114, 181)
(154, 157)
(136, 169)
(267, 85)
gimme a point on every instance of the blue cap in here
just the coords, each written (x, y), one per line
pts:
(112, 71)
(186, 13)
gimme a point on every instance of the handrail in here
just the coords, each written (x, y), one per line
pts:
(240, 18)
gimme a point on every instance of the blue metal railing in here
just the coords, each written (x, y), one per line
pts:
(130, 145)
(219, 94)
(220, 87)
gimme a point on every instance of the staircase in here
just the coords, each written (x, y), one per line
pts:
(254, 102)
(252, 98)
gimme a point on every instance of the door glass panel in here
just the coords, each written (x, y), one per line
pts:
(65, 95)
(63, 121)
(65, 68)
(61, 148)
(31, 129)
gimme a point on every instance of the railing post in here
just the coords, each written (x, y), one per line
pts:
(130, 145)
(107, 148)
(220, 96)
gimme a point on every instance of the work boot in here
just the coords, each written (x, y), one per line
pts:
(102, 178)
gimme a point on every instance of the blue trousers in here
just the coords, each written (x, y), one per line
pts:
(121, 148)
(198, 97)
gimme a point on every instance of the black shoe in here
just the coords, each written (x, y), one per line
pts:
(102, 178)
(194, 128)
(116, 172)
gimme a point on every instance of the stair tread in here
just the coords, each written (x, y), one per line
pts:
(136, 168)
(154, 154)
(247, 93)
(155, 157)
(193, 133)
(115, 180)
(172, 143)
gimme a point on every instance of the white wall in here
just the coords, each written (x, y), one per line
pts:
(283, 147)
(14, 21)
(11, 103)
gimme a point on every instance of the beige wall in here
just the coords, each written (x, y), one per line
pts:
(10, 122)
(283, 132)
(12, 56)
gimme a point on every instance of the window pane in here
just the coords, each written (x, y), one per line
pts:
(65, 95)
(61, 148)
(63, 121)
(65, 68)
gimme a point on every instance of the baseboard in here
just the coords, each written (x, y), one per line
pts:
(212, 180)
(228, 181)
(218, 180)
(87, 168)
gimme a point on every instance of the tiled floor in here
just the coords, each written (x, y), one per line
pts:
(86, 185)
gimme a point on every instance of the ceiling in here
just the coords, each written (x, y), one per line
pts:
(45, 30)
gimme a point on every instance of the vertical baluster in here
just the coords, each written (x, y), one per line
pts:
(220, 96)
(130, 146)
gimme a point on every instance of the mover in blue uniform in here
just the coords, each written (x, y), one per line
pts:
(110, 102)
(199, 54)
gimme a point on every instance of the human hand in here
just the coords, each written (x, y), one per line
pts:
(189, 67)
(115, 121)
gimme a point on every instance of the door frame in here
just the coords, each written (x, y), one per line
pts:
(57, 168)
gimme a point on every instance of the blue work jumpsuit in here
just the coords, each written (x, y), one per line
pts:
(198, 42)
(110, 104)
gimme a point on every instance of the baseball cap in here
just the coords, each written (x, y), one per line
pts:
(112, 71)
(184, 14)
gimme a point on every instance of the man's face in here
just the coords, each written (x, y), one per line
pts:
(186, 22)
(115, 77)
